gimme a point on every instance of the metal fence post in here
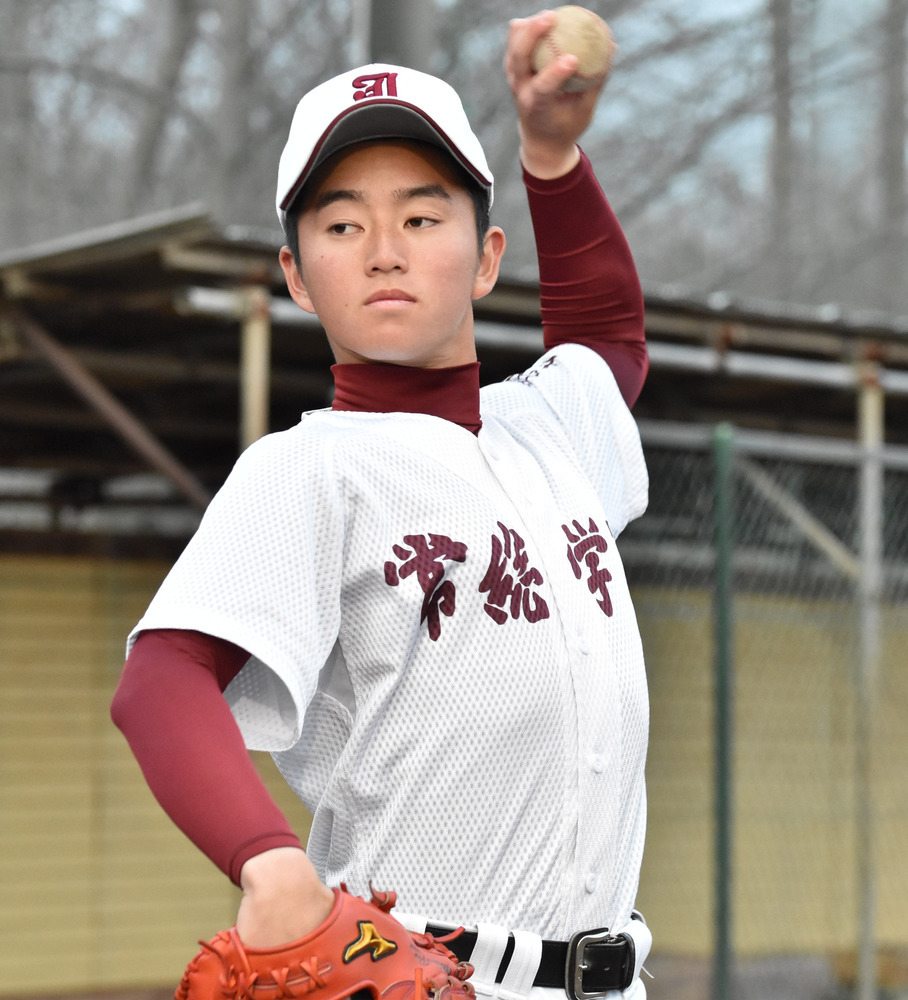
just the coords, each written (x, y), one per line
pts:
(723, 667)
(870, 425)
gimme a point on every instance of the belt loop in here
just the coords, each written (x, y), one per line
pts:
(642, 937)
(491, 941)
(522, 968)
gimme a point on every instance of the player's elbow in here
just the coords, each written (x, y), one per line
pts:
(122, 706)
(636, 370)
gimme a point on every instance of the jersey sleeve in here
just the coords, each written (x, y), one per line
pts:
(263, 572)
(569, 401)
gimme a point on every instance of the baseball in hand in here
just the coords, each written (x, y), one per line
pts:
(581, 33)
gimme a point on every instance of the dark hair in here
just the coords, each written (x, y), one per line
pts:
(479, 195)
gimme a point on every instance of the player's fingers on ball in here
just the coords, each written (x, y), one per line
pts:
(522, 38)
(551, 78)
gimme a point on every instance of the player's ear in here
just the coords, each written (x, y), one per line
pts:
(294, 279)
(493, 245)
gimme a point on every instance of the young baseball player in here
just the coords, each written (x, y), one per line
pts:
(414, 599)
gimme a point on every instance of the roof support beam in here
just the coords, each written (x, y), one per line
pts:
(255, 365)
(132, 430)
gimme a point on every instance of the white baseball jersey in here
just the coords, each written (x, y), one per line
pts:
(446, 662)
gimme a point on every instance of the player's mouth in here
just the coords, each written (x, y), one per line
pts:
(389, 298)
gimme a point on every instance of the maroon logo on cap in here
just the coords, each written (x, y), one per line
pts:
(379, 85)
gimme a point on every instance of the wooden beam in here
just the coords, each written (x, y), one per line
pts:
(132, 430)
(255, 366)
(38, 417)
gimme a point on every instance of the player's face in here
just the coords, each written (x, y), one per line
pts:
(389, 257)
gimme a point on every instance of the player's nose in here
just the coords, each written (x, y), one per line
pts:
(386, 250)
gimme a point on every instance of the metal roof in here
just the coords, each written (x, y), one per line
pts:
(149, 320)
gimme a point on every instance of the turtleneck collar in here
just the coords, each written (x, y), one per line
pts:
(449, 393)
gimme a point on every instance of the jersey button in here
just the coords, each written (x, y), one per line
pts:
(592, 880)
(597, 763)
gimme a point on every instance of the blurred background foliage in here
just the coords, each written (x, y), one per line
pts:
(749, 146)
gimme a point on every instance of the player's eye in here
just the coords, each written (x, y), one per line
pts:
(341, 228)
(421, 222)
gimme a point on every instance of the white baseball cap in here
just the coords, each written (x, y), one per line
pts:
(378, 101)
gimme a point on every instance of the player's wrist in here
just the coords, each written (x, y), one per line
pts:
(283, 898)
(548, 161)
(281, 868)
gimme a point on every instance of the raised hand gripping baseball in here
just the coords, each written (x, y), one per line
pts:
(359, 947)
(550, 119)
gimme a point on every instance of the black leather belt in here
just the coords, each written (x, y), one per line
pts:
(589, 965)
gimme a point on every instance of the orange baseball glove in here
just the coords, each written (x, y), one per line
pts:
(360, 947)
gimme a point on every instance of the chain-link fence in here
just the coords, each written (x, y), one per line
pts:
(770, 865)
(778, 773)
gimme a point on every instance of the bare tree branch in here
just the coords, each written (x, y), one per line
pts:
(102, 78)
(180, 37)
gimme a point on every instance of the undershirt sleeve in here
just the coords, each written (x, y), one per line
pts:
(170, 707)
(590, 293)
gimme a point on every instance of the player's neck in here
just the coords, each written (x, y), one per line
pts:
(450, 393)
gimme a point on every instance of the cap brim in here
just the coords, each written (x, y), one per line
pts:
(379, 119)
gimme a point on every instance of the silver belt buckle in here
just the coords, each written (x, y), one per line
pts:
(576, 965)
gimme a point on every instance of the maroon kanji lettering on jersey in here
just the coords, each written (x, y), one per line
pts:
(376, 85)
(425, 557)
(583, 548)
(509, 553)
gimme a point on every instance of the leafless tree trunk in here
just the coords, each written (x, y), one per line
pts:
(178, 39)
(892, 151)
(401, 32)
(16, 130)
(232, 125)
(782, 151)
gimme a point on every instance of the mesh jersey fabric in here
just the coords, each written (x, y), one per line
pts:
(445, 658)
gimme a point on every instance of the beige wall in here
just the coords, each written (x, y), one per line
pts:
(99, 889)
(93, 865)
(794, 832)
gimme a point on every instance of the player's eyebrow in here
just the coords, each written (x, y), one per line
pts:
(329, 197)
(423, 191)
(333, 195)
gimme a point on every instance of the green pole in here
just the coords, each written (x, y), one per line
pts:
(872, 423)
(723, 674)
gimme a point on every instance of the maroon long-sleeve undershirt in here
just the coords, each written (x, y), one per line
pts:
(169, 701)
(588, 285)
(170, 707)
